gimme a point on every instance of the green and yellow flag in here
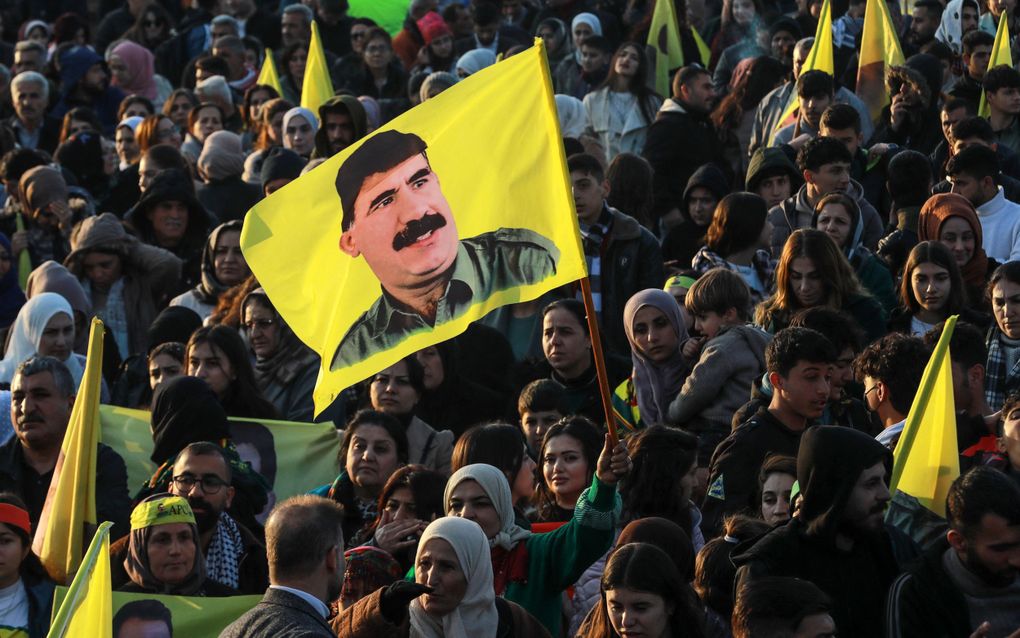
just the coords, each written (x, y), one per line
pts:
(819, 59)
(664, 37)
(268, 73)
(880, 50)
(1001, 54)
(317, 87)
(87, 608)
(69, 515)
(407, 236)
(926, 461)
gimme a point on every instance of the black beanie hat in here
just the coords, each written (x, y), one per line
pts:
(281, 163)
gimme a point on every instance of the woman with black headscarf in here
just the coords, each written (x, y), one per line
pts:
(223, 266)
(452, 401)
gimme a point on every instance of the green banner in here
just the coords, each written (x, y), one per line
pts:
(388, 14)
(293, 457)
(192, 616)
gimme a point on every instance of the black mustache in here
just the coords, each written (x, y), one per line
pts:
(416, 228)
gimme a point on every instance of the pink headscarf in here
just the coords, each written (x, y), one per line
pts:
(139, 62)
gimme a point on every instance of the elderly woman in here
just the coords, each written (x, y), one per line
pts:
(452, 594)
(164, 554)
(285, 368)
(220, 166)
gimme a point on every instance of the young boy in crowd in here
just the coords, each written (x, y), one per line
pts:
(540, 405)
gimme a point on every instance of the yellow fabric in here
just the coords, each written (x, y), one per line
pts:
(664, 37)
(87, 609)
(268, 73)
(926, 460)
(316, 87)
(880, 50)
(1001, 54)
(24, 260)
(172, 509)
(490, 186)
(819, 59)
(69, 514)
(703, 51)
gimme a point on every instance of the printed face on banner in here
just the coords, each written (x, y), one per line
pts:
(401, 240)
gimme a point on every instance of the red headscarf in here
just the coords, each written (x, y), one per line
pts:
(935, 212)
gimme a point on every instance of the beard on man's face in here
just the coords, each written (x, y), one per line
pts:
(206, 516)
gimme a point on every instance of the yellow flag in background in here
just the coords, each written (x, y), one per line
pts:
(455, 208)
(69, 515)
(880, 50)
(819, 59)
(926, 460)
(316, 87)
(703, 51)
(664, 37)
(24, 260)
(268, 73)
(1001, 54)
(87, 609)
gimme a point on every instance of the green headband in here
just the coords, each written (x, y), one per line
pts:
(679, 280)
(163, 511)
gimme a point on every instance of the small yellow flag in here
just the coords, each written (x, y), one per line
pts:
(1001, 55)
(880, 50)
(24, 260)
(268, 73)
(87, 609)
(819, 59)
(316, 87)
(664, 37)
(703, 51)
(926, 461)
(69, 515)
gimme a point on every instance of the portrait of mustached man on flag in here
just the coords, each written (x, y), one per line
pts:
(398, 242)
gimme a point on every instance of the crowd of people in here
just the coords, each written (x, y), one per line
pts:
(768, 293)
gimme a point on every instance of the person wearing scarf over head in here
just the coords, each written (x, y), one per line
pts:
(132, 70)
(567, 73)
(951, 219)
(474, 61)
(452, 596)
(11, 296)
(164, 555)
(185, 410)
(285, 368)
(44, 326)
(656, 331)
(299, 128)
(223, 267)
(220, 165)
(533, 570)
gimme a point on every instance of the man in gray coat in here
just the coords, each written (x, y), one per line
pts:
(306, 571)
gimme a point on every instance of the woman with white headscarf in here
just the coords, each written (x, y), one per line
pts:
(474, 61)
(299, 127)
(44, 326)
(567, 75)
(452, 596)
(534, 569)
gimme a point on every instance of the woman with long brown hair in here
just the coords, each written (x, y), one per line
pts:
(270, 134)
(734, 115)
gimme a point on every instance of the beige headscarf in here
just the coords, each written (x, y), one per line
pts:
(475, 615)
(497, 488)
(221, 156)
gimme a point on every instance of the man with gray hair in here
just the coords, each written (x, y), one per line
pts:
(30, 92)
(305, 545)
(296, 24)
(42, 395)
(231, 49)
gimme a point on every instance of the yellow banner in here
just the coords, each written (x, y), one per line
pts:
(268, 73)
(86, 611)
(664, 37)
(293, 457)
(455, 208)
(1001, 54)
(820, 58)
(317, 87)
(880, 50)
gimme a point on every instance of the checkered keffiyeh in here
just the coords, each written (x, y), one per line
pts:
(1001, 379)
(593, 239)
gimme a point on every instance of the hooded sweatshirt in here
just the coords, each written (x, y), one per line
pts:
(829, 462)
(766, 162)
(339, 104)
(74, 64)
(684, 240)
(797, 212)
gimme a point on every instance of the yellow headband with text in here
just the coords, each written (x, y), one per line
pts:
(172, 509)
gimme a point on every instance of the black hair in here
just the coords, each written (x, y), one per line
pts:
(983, 490)
(661, 457)
(243, 398)
(970, 127)
(574, 307)
(839, 117)
(775, 606)
(590, 437)
(976, 38)
(147, 609)
(205, 448)
(1001, 77)
(930, 5)
(587, 164)
(814, 83)
(898, 361)
(500, 445)
(377, 154)
(908, 178)
(966, 345)
(31, 569)
(714, 571)
(687, 75)
(955, 103)
(543, 395)
(385, 421)
(1009, 271)
(821, 151)
(486, 13)
(215, 65)
(838, 327)
(737, 223)
(974, 161)
(792, 345)
(600, 43)
(19, 161)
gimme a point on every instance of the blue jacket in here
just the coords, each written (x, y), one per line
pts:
(74, 64)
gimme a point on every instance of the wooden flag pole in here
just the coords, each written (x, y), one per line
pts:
(600, 362)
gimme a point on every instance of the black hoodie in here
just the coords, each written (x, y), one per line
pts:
(683, 240)
(829, 462)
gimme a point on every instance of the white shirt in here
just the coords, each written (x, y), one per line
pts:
(308, 598)
(1000, 227)
(14, 606)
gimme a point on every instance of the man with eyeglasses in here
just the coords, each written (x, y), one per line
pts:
(891, 371)
(233, 555)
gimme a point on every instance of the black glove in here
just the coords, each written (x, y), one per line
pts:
(395, 598)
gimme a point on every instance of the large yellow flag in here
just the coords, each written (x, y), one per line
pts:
(87, 609)
(664, 37)
(819, 59)
(880, 50)
(1001, 54)
(926, 461)
(316, 87)
(268, 73)
(400, 241)
(69, 515)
